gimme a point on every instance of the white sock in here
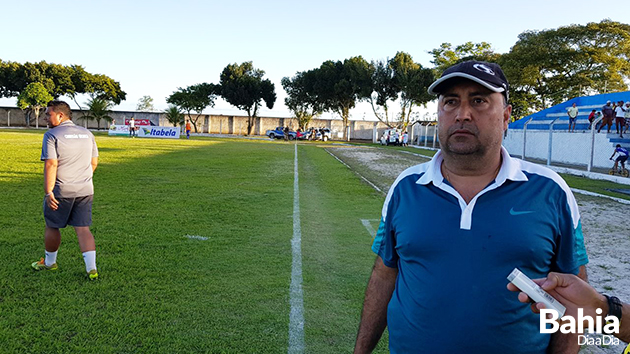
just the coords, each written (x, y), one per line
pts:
(51, 258)
(89, 258)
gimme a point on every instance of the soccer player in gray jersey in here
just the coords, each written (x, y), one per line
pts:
(71, 156)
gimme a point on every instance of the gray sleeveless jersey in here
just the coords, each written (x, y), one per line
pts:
(73, 147)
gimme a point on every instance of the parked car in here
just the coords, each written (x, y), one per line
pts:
(391, 137)
(278, 133)
(323, 134)
(300, 135)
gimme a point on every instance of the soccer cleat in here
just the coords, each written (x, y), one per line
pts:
(93, 274)
(41, 265)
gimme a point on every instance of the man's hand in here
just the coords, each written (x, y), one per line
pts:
(51, 201)
(571, 291)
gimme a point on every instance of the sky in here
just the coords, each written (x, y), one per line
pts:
(154, 47)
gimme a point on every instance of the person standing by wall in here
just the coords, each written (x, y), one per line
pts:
(591, 118)
(188, 129)
(572, 112)
(608, 112)
(626, 116)
(132, 127)
(71, 156)
(619, 118)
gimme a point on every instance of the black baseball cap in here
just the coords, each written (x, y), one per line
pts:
(486, 74)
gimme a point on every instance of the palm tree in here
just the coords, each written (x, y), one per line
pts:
(98, 108)
(174, 116)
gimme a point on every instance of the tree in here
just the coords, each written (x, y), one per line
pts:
(145, 104)
(384, 92)
(98, 108)
(399, 78)
(243, 87)
(551, 66)
(174, 115)
(193, 98)
(339, 85)
(446, 55)
(58, 80)
(33, 98)
(301, 99)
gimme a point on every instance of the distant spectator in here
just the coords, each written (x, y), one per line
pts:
(405, 139)
(627, 116)
(591, 118)
(572, 112)
(619, 120)
(188, 129)
(286, 133)
(607, 111)
(132, 127)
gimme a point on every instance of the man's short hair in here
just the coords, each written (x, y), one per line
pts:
(61, 107)
(618, 145)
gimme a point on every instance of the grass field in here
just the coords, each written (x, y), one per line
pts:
(194, 246)
(160, 291)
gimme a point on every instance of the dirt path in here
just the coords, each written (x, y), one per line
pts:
(605, 223)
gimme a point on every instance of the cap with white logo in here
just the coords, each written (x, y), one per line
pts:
(486, 74)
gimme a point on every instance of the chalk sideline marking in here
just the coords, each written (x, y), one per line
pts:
(350, 168)
(368, 226)
(195, 237)
(296, 316)
(619, 200)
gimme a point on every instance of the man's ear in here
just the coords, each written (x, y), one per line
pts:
(507, 113)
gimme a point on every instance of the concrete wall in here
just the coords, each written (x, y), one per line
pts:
(15, 117)
(568, 148)
(212, 123)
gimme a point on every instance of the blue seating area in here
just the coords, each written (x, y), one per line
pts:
(541, 120)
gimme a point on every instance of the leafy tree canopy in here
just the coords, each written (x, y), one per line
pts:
(552, 66)
(301, 98)
(145, 104)
(58, 80)
(98, 109)
(339, 85)
(193, 98)
(174, 115)
(446, 55)
(33, 98)
(243, 86)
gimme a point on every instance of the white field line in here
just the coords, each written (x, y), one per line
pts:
(195, 237)
(350, 168)
(296, 316)
(368, 226)
(414, 154)
(620, 200)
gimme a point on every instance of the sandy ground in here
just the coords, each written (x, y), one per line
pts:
(605, 223)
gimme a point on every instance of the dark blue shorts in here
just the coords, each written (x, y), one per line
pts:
(622, 158)
(71, 211)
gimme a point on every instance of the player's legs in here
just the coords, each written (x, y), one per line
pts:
(52, 239)
(55, 220)
(81, 219)
(85, 238)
